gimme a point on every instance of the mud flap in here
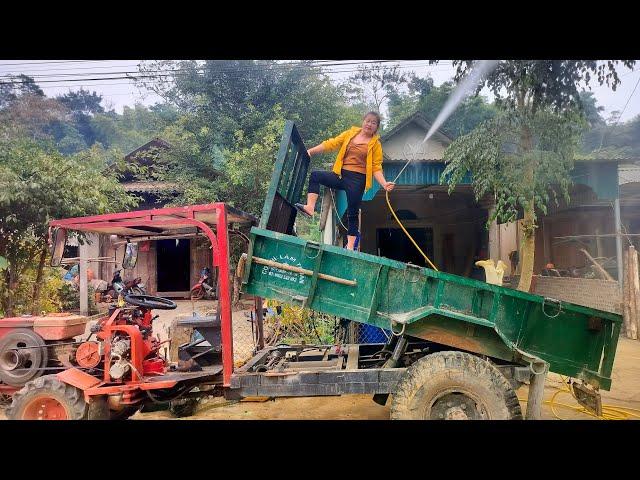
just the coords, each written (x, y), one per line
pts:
(98, 408)
(588, 398)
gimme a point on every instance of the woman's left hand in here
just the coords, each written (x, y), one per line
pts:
(388, 186)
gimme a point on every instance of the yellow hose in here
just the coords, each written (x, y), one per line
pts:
(407, 233)
(609, 411)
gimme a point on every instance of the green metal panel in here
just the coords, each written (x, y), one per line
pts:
(448, 309)
(287, 182)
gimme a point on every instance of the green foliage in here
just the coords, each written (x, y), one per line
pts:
(49, 301)
(296, 325)
(69, 296)
(82, 102)
(135, 127)
(531, 84)
(591, 110)
(513, 175)
(615, 140)
(38, 184)
(372, 85)
(225, 141)
(15, 86)
(520, 154)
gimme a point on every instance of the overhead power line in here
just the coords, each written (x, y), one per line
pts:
(130, 75)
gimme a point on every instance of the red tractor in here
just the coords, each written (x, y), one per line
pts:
(122, 369)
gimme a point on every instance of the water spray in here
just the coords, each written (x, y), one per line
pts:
(468, 84)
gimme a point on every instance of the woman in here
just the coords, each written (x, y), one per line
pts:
(359, 159)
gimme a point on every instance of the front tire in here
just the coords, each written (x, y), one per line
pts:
(454, 386)
(47, 398)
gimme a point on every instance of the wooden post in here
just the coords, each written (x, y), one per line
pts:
(536, 392)
(259, 322)
(630, 294)
(626, 297)
(84, 289)
(634, 289)
(325, 209)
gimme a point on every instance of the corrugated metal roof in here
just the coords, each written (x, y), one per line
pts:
(629, 174)
(601, 177)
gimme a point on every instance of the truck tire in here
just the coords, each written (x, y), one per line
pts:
(47, 398)
(454, 386)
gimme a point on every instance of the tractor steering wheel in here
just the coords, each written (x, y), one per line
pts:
(149, 301)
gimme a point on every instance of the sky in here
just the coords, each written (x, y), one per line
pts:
(57, 77)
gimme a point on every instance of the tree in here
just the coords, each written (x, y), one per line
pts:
(229, 109)
(82, 102)
(530, 93)
(591, 109)
(14, 86)
(32, 115)
(371, 85)
(38, 184)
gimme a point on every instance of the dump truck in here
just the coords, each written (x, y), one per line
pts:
(459, 347)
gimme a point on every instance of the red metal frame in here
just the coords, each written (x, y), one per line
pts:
(184, 216)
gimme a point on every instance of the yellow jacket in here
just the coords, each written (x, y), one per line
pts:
(374, 152)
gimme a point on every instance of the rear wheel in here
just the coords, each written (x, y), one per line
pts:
(23, 356)
(47, 398)
(454, 386)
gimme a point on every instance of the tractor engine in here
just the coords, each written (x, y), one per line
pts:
(120, 357)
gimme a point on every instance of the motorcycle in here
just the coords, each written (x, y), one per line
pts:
(203, 289)
(121, 287)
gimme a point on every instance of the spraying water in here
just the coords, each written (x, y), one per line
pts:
(466, 86)
(469, 83)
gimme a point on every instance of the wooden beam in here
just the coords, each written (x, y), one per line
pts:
(84, 288)
(353, 356)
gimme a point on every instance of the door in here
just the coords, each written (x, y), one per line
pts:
(173, 266)
(393, 243)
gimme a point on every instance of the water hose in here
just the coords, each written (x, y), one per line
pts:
(609, 411)
(407, 233)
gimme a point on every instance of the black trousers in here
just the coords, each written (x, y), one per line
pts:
(352, 183)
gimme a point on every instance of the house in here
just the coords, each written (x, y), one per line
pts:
(153, 194)
(168, 267)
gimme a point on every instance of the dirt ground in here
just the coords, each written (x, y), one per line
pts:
(625, 391)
